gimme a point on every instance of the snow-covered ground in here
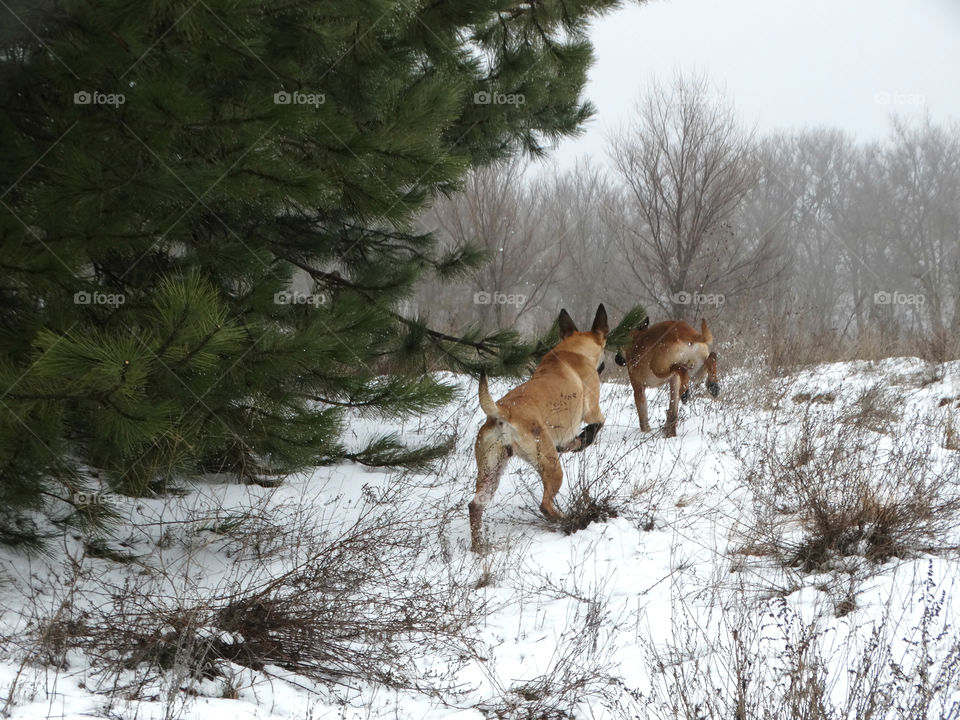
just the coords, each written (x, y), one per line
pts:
(670, 609)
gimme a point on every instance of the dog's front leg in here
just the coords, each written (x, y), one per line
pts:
(586, 436)
(575, 445)
(594, 419)
(551, 474)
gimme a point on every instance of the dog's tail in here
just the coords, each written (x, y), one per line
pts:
(705, 332)
(487, 404)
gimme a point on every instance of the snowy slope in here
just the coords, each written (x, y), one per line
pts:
(663, 599)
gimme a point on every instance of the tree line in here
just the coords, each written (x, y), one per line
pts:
(838, 242)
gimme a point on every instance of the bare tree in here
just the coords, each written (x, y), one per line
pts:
(918, 223)
(804, 197)
(686, 166)
(578, 201)
(502, 214)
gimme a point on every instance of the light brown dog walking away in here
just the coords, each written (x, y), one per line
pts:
(541, 418)
(669, 351)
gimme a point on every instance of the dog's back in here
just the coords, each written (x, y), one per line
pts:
(553, 399)
(658, 348)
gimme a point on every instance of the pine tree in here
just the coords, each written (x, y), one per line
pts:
(172, 169)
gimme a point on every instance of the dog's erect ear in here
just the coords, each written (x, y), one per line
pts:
(567, 326)
(600, 323)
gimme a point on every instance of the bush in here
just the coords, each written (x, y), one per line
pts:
(602, 484)
(356, 603)
(840, 489)
(591, 499)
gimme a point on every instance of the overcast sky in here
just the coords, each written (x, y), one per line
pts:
(785, 63)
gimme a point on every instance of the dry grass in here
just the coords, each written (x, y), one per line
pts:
(581, 676)
(850, 482)
(769, 663)
(795, 339)
(356, 603)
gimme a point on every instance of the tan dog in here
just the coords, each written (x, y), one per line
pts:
(541, 418)
(669, 351)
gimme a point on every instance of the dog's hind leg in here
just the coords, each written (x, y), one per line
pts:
(640, 399)
(492, 455)
(709, 368)
(680, 370)
(713, 378)
(673, 411)
(587, 436)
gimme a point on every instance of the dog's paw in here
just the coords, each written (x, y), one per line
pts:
(554, 515)
(588, 435)
(714, 388)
